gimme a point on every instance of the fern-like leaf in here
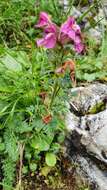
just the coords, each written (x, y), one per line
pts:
(9, 168)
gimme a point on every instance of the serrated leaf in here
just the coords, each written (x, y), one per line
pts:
(25, 128)
(38, 125)
(50, 159)
(11, 144)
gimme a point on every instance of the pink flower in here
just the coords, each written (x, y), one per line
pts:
(50, 36)
(70, 28)
(44, 19)
(68, 32)
(49, 41)
(51, 28)
(72, 31)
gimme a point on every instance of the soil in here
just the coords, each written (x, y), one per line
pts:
(60, 178)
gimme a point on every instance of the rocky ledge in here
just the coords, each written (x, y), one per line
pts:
(87, 140)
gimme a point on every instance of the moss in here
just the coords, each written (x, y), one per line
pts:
(100, 106)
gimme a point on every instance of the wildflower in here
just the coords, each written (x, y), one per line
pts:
(68, 32)
(49, 41)
(79, 47)
(50, 36)
(72, 31)
(70, 28)
(44, 19)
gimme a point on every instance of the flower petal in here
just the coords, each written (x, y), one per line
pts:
(49, 41)
(77, 39)
(79, 47)
(76, 28)
(71, 29)
(66, 27)
(72, 34)
(51, 28)
(63, 39)
(44, 19)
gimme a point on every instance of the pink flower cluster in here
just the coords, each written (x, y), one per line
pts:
(52, 34)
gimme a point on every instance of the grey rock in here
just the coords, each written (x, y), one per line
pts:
(95, 34)
(92, 173)
(87, 124)
(85, 99)
(75, 12)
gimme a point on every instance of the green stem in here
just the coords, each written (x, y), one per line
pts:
(55, 92)
(88, 28)
(86, 12)
(56, 85)
(69, 10)
(54, 5)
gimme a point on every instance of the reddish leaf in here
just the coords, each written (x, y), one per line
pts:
(71, 65)
(47, 119)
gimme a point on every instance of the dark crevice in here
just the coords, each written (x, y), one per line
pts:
(104, 155)
(99, 107)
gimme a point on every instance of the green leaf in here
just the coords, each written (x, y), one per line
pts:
(45, 170)
(1, 126)
(89, 77)
(33, 167)
(86, 12)
(2, 147)
(3, 107)
(25, 128)
(21, 126)
(38, 125)
(23, 59)
(40, 143)
(11, 143)
(5, 87)
(50, 159)
(28, 155)
(99, 64)
(11, 64)
(25, 170)
(61, 137)
(55, 147)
